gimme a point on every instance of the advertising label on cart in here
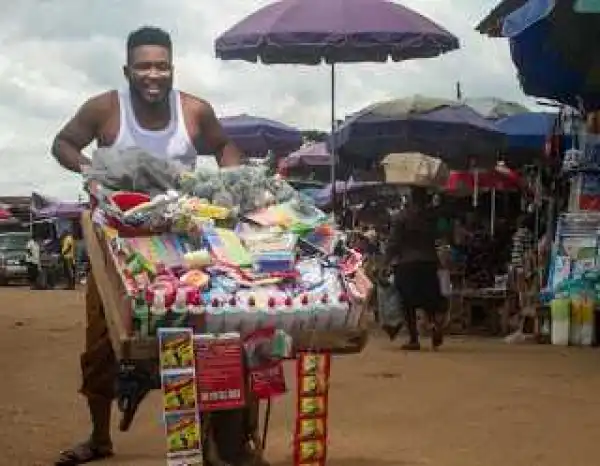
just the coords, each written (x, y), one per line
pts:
(219, 372)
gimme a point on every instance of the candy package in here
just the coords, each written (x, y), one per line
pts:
(313, 384)
(310, 441)
(183, 432)
(314, 364)
(311, 450)
(309, 429)
(176, 348)
(312, 406)
(179, 391)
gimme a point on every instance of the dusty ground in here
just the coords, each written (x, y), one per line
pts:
(476, 403)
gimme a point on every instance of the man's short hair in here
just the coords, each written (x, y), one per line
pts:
(148, 35)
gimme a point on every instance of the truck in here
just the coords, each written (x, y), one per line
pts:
(13, 252)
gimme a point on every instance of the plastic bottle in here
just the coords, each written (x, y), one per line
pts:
(587, 322)
(287, 318)
(214, 316)
(158, 311)
(560, 311)
(232, 314)
(180, 311)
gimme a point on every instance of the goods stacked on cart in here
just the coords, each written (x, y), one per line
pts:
(234, 249)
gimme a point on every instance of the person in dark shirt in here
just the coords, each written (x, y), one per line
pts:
(412, 253)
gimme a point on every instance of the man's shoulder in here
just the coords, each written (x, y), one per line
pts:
(104, 98)
(195, 104)
(102, 105)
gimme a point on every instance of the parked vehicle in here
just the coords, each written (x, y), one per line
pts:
(13, 252)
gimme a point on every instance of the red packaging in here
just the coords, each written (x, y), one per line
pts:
(267, 379)
(219, 372)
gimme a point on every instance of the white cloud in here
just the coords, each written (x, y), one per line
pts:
(56, 53)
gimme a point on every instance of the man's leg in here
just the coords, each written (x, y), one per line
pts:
(32, 272)
(405, 284)
(69, 275)
(413, 344)
(99, 370)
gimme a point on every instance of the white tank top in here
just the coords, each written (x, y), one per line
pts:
(172, 142)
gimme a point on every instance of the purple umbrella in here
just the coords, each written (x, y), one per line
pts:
(63, 210)
(314, 155)
(257, 136)
(335, 31)
(48, 207)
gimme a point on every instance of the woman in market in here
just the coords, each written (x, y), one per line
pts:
(411, 251)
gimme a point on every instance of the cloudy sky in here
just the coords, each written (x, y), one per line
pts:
(57, 53)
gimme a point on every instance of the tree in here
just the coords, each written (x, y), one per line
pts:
(313, 135)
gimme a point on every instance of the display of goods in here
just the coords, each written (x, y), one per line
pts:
(220, 266)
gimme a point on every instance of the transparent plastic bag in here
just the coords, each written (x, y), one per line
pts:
(134, 170)
(389, 304)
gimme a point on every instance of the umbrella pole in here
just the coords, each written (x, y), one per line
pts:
(493, 213)
(333, 143)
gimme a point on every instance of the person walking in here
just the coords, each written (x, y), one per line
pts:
(32, 259)
(412, 254)
(67, 252)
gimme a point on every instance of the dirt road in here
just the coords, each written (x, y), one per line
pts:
(476, 403)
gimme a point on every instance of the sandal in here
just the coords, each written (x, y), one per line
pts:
(437, 337)
(83, 453)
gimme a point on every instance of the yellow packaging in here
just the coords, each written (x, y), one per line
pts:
(311, 450)
(311, 429)
(312, 406)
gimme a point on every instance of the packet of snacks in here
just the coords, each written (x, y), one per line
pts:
(310, 439)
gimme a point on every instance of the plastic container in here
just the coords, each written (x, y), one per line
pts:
(560, 311)
(126, 200)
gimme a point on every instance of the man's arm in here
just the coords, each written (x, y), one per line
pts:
(228, 154)
(76, 135)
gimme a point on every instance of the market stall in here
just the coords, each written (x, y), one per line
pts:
(233, 263)
(482, 298)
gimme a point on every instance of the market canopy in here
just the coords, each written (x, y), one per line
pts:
(256, 136)
(48, 207)
(551, 46)
(499, 180)
(310, 32)
(314, 155)
(527, 136)
(335, 31)
(447, 129)
(494, 108)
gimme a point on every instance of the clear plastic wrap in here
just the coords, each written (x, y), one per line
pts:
(134, 170)
(247, 188)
